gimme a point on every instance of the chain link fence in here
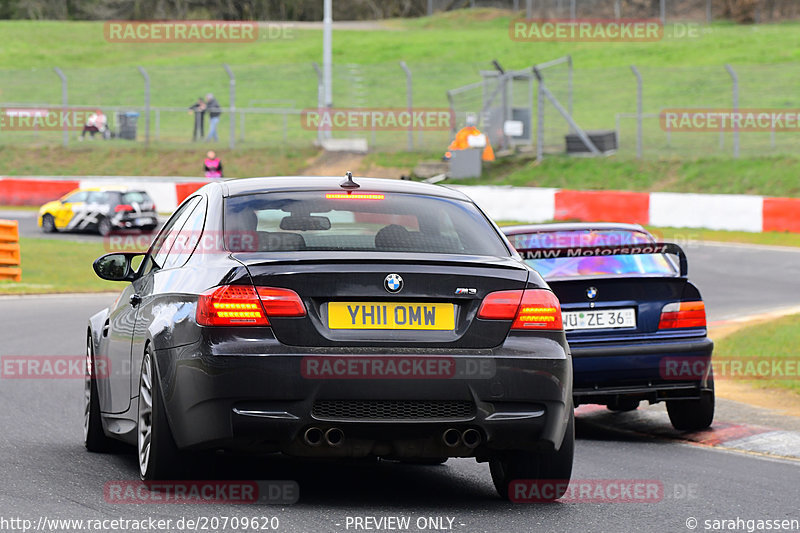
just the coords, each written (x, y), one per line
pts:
(268, 102)
(666, 10)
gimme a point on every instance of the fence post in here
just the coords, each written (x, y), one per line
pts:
(663, 10)
(320, 98)
(410, 100)
(639, 107)
(735, 79)
(573, 10)
(430, 7)
(708, 11)
(569, 88)
(617, 9)
(528, 9)
(143, 72)
(232, 85)
(64, 101)
(539, 117)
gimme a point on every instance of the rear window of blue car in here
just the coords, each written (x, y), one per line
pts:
(358, 221)
(611, 265)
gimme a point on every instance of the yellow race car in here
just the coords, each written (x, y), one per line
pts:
(99, 209)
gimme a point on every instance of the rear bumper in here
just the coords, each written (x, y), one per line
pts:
(263, 402)
(645, 370)
(138, 220)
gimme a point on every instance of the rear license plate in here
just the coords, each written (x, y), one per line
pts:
(385, 315)
(599, 319)
(144, 221)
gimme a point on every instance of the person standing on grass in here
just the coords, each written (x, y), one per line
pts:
(214, 111)
(199, 111)
(212, 165)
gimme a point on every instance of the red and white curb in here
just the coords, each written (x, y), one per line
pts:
(524, 204)
(167, 193)
(724, 435)
(732, 212)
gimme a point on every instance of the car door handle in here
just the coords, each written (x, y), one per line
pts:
(135, 300)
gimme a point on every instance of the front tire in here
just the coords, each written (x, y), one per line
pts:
(94, 438)
(692, 415)
(158, 455)
(48, 224)
(551, 467)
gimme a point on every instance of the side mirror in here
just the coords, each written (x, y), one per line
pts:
(116, 266)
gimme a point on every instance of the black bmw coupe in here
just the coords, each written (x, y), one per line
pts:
(323, 317)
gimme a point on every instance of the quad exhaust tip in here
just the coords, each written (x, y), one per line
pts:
(471, 438)
(313, 436)
(334, 437)
(451, 437)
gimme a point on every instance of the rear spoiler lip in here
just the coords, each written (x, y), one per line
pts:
(621, 249)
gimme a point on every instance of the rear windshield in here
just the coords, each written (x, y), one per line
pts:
(135, 197)
(565, 267)
(361, 221)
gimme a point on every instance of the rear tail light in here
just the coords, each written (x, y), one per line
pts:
(123, 207)
(529, 308)
(281, 302)
(683, 315)
(244, 305)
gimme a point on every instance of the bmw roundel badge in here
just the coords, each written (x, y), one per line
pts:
(393, 283)
(591, 293)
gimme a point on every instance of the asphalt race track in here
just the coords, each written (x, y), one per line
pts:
(48, 473)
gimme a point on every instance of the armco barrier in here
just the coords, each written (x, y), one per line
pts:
(10, 259)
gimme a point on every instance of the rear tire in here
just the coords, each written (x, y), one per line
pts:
(158, 455)
(622, 405)
(94, 438)
(692, 415)
(555, 467)
(48, 224)
(104, 227)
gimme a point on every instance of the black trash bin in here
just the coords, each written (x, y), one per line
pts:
(127, 125)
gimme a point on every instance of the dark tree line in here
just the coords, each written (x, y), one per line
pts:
(311, 10)
(300, 10)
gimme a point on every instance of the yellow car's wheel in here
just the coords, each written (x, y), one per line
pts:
(48, 224)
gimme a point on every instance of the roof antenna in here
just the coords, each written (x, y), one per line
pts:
(349, 183)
